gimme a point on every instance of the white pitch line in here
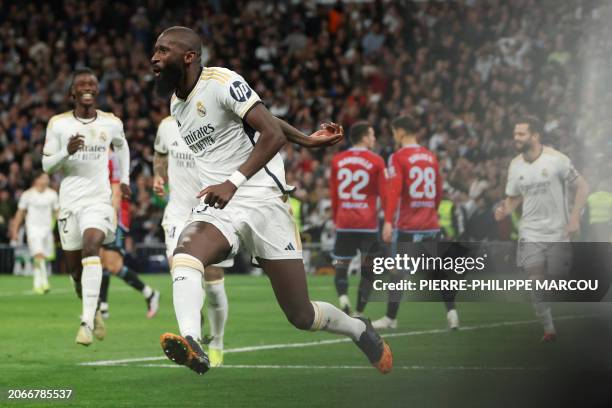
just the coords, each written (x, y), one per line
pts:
(351, 367)
(332, 341)
(63, 291)
(32, 293)
(59, 291)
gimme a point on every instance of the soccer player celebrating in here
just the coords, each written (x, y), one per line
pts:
(38, 206)
(78, 142)
(357, 182)
(538, 178)
(174, 163)
(415, 189)
(113, 253)
(244, 201)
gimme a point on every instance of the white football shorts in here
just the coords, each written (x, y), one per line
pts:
(556, 257)
(173, 227)
(40, 242)
(73, 223)
(264, 227)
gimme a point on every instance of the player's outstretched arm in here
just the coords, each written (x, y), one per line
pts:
(329, 134)
(270, 141)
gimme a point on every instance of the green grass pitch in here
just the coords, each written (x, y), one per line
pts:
(495, 353)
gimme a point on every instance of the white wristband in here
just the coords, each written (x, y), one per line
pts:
(237, 178)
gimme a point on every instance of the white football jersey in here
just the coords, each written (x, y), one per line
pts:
(40, 208)
(183, 179)
(543, 186)
(210, 121)
(86, 177)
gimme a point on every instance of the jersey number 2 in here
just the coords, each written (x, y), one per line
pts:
(419, 176)
(361, 178)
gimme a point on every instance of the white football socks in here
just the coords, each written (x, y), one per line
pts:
(187, 294)
(217, 311)
(36, 273)
(147, 291)
(542, 310)
(90, 281)
(329, 318)
(42, 270)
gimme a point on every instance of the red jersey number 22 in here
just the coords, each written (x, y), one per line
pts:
(361, 178)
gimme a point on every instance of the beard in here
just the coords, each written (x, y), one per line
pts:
(521, 147)
(167, 80)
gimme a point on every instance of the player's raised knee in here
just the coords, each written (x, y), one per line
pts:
(183, 260)
(90, 248)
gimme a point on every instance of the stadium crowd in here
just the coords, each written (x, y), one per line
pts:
(466, 70)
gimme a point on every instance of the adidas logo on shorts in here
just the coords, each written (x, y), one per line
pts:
(290, 247)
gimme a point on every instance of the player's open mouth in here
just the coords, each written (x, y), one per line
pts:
(156, 71)
(87, 97)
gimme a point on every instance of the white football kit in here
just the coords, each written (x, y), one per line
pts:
(211, 124)
(183, 183)
(85, 192)
(543, 185)
(40, 208)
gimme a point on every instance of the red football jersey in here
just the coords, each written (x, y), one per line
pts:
(358, 178)
(115, 177)
(416, 187)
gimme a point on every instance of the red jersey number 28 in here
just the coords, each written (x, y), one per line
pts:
(422, 182)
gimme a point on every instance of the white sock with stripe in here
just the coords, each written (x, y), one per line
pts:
(329, 318)
(217, 311)
(90, 281)
(44, 281)
(36, 273)
(187, 294)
